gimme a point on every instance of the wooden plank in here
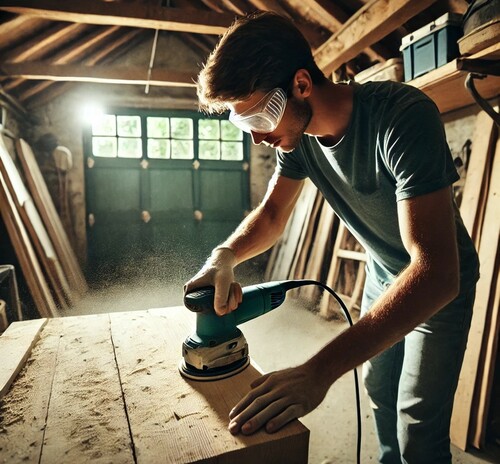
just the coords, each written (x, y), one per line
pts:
(287, 246)
(16, 344)
(482, 145)
(297, 270)
(36, 230)
(319, 252)
(138, 14)
(24, 407)
(44, 43)
(86, 419)
(445, 85)
(487, 258)
(46, 208)
(489, 354)
(368, 25)
(104, 74)
(25, 253)
(101, 50)
(332, 17)
(189, 419)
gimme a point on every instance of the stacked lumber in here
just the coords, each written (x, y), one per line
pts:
(39, 252)
(480, 210)
(316, 245)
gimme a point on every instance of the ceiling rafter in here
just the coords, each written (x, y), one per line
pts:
(368, 25)
(77, 51)
(13, 30)
(40, 46)
(45, 70)
(107, 47)
(124, 14)
(332, 18)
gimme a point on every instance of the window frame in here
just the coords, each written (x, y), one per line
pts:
(144, 114)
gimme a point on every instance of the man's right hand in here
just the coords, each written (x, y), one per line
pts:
(218, 272)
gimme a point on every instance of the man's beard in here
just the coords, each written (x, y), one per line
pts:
(302, 112)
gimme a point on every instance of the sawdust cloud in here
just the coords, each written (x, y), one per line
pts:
(153, 282)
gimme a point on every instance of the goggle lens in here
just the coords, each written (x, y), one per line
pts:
(264, 116)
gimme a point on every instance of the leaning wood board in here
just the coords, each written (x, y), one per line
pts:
(106, 388)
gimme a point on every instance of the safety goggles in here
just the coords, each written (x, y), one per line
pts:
(264, 116)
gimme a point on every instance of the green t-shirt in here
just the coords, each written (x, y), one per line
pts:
(394, 148)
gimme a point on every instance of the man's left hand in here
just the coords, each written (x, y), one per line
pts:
(276, 399)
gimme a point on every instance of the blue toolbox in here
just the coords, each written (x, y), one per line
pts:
(431, 46)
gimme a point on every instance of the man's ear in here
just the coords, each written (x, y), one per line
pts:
(302, 83)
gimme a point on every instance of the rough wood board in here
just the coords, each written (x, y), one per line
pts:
(43, 202)
(35, 228)
(86, 420)
(23, 410)
(481, 405)
(487, 256)
(25, 253)
(293, 232)
(186, 421)
(16, 344)
(478, 162)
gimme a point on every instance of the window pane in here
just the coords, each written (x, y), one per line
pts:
(182, 149)
(158, 127)
(230, 131)
(208, 129)
(129, 126)
(232, 151)
(158, 148)
(182, 128)
(104, 146)
(129, 148)
(104, 124)
(209, 150)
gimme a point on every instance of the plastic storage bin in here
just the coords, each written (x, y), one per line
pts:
(391, 70)
(431, 46)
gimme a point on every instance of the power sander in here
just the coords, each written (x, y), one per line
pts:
(218, 349)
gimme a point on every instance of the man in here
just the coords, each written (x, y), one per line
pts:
(378, 154)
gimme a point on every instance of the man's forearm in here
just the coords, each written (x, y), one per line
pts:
(415, 296)
(257, 233)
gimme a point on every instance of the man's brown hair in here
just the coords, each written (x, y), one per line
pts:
(260, 51)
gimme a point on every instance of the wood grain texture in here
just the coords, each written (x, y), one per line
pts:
(107, 388)
(487, 258)
(23, 410)
(187, 420)
(51, 220)
(16, 344)
(25, 253)
(86, 420)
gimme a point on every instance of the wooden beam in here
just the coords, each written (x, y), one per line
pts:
(16, 344)
(17, 28)
(367, 26)
(99, 74)
(124, 14)
(42, 44)
(332, 18)
(121, 44)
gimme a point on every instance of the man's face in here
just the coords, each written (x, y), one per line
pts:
(286, 136)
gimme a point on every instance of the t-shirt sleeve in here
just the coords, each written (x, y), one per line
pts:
(291, 164)
(416, 151)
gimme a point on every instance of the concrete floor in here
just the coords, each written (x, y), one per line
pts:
(282, 338)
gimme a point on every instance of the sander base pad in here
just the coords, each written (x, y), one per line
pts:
(217, 373)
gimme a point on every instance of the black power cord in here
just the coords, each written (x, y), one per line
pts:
(289, 284)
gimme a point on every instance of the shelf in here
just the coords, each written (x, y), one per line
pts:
(445, 85)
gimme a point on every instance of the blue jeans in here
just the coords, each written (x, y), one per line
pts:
(412, 384)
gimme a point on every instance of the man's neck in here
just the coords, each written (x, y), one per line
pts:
(332, 106)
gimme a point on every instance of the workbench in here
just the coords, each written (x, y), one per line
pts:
(106, 388)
